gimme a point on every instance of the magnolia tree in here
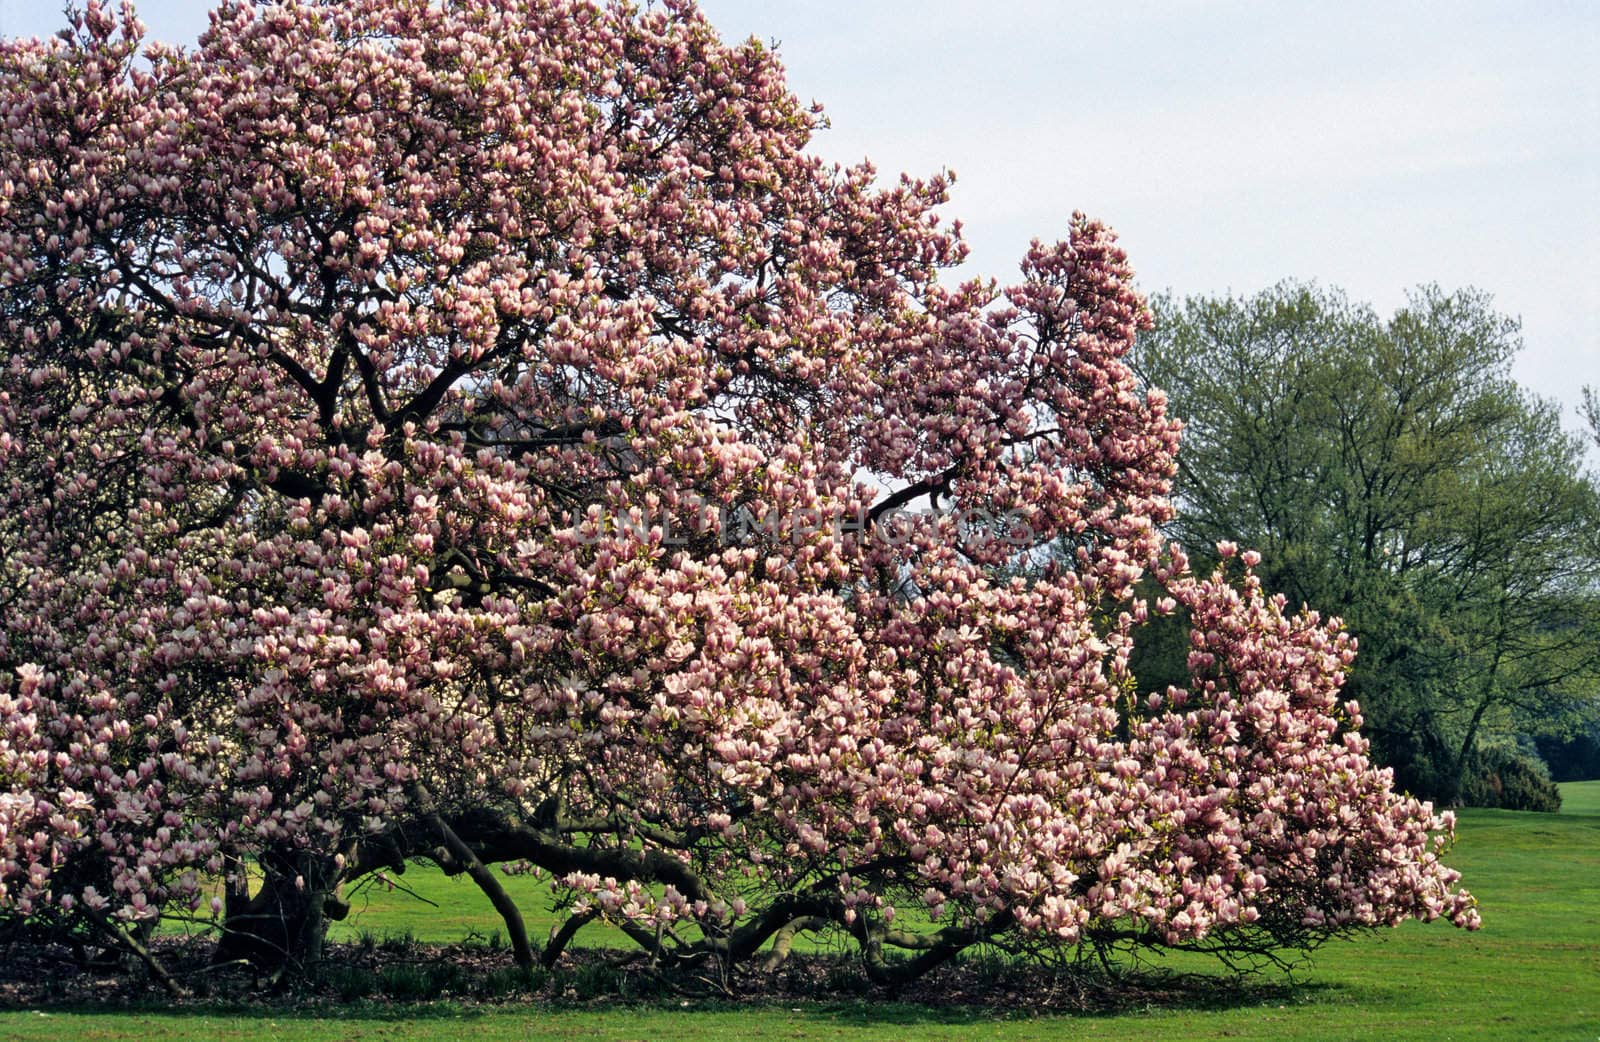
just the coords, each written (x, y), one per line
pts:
(480, 432)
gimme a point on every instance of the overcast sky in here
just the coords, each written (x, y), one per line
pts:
(1371, 146)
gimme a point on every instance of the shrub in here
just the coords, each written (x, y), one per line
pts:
(1504, 776)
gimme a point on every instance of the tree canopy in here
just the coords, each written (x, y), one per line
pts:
(481, 432)
(1393, 472)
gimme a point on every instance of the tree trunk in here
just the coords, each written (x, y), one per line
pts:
(282, 928)
(1485, 699)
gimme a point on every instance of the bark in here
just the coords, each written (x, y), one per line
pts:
(281, 928)
(936, 949)
(783, 940)
(563, 937)
(467, 860)
(130, 943)
(500, 837)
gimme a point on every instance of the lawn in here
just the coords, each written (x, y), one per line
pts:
(1581, 798)
(1532, 973)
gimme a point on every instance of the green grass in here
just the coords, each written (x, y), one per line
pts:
(1532, 973)
(1580, 797)
(443, 909)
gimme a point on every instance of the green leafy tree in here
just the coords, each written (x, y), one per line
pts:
(1391, 470)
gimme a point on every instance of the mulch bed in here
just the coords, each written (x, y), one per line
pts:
(387, 974)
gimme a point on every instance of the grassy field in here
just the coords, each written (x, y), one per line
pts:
(1532, 973)
(1581, 798)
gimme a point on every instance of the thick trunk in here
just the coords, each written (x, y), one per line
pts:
(282, 927)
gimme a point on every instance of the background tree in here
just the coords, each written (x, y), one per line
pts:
(1392, 472)
(379, 379)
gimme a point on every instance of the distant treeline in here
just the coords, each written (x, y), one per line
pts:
(1391, 471)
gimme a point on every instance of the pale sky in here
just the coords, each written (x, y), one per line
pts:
(1370, 146)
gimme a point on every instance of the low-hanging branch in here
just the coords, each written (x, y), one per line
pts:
(462, 858)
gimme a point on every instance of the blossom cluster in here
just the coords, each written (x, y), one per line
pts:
(351, 360)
